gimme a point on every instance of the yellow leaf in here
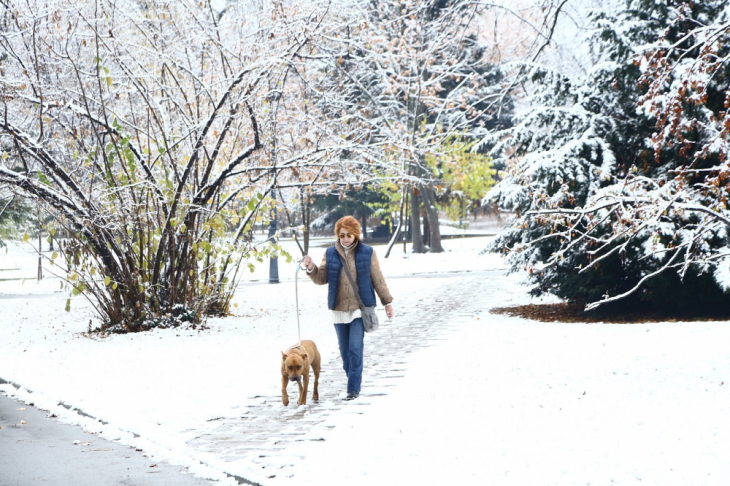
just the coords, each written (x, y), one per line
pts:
(25, 237)
(107, 280)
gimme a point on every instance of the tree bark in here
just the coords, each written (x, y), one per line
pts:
(401, 222)
(306, 215)
(405, 220)
(416, 222)
(426, 226)
(429, 202)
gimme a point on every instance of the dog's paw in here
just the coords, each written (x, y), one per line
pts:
(315, 397)
(285, 401)
(301, 402)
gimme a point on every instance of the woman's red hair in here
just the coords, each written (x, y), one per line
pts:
(349, 224)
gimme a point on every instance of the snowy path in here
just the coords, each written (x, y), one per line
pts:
(264, 430)
(452, 393)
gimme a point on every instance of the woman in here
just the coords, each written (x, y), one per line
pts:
(363, 263)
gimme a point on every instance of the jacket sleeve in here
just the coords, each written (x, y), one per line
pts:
(318, 275)
(378, 281)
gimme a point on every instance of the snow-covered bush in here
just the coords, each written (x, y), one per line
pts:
(152, 131)
(612, 204)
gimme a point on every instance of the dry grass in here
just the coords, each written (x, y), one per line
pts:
(565, 312)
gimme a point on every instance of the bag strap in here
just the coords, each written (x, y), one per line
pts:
(352, 282)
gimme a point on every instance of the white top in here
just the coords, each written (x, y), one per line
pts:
(344, 317)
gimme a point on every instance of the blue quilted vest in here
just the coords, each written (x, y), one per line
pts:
(363, 258)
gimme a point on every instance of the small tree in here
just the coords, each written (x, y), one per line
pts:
(466, 177)
(416, 75)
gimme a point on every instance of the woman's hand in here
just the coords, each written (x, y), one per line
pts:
(308, 263)
(389, 311)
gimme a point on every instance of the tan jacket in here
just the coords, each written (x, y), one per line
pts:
(346, 301)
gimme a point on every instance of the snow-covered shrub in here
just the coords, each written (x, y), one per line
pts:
(151, 131)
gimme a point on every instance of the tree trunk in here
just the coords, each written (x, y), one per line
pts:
(429, 202)
(306, 214)
(405, 218)
(40, 243)
(364, 223)
(416, 222)
(426, 226)
(401, 223)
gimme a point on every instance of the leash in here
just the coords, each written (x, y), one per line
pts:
(296, 297)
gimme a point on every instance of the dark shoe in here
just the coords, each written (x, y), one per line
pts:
(352, 396)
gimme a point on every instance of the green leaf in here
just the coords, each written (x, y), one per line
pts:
(75, 291)
(107, 280)
(68, 305)
(251, 205)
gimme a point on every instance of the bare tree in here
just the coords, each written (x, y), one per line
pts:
(416, 76)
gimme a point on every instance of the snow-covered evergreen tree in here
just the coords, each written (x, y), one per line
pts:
(607, 206)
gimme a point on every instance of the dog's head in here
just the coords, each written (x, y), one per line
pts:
(293, 364)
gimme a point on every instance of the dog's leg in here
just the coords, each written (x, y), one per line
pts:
(284, 395)
(303, 390)
(315, 393)
(301, 400)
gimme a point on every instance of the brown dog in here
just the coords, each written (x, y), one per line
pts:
(295, 365)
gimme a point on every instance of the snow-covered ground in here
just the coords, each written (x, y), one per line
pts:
(488, 399)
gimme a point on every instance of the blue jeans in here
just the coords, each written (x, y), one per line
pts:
(350, 337)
